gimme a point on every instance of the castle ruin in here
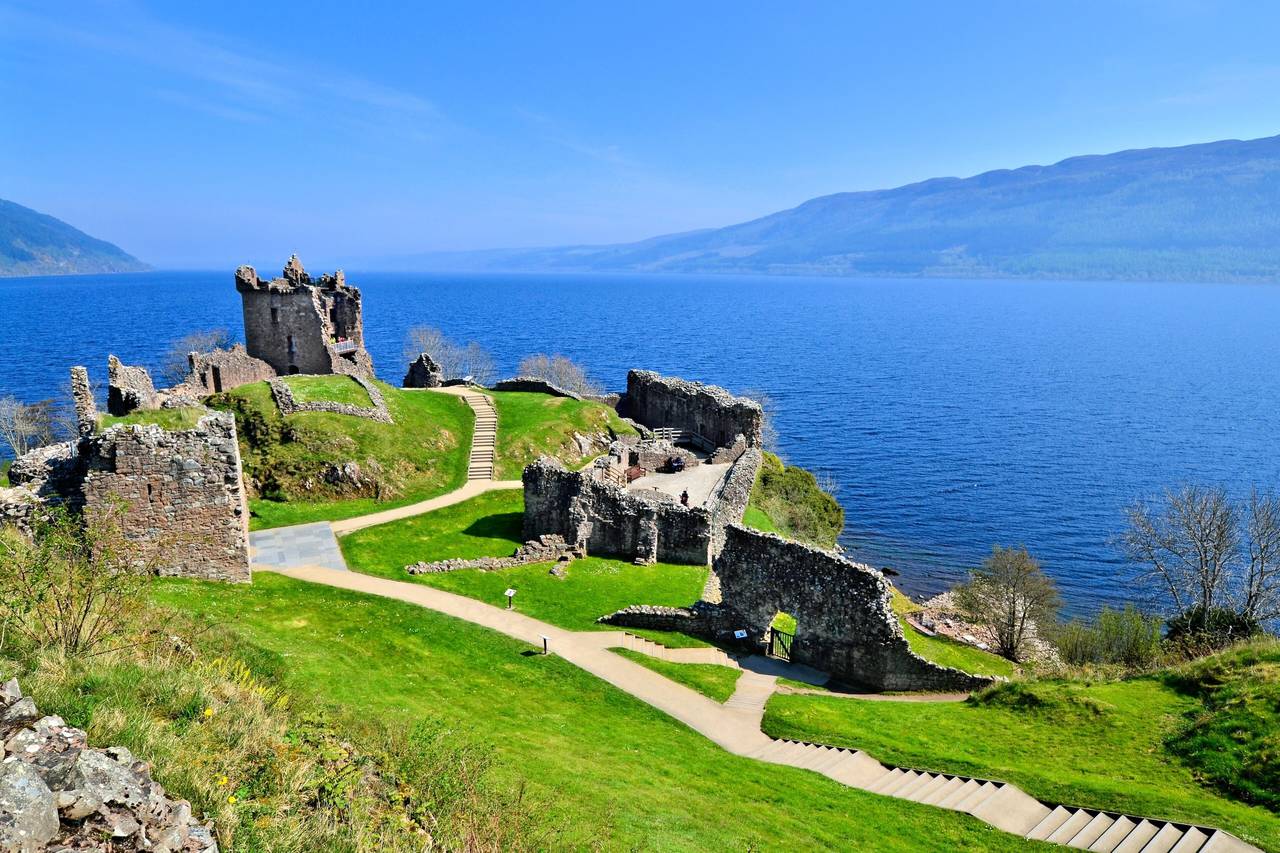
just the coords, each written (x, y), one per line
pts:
(299, 324)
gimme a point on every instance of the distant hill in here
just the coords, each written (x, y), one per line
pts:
(33, 243)
(1207, 212)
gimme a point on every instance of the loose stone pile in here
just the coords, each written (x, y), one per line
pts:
(58, 794)
(543, 549)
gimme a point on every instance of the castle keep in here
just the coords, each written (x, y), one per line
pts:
(298, 324)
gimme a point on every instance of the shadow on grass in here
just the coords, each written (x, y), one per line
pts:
(502, 525)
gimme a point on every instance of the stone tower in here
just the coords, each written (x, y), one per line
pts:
(298, 324)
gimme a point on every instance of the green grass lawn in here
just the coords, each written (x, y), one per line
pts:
(531, 425)
(945, 651)
(421, 455)
(615, 773)
(489, 525)
(184, 417)
(758, 519)
(331, 389)
(712, 680)
(1098, 745)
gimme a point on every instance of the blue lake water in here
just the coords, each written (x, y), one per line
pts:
(952, 414)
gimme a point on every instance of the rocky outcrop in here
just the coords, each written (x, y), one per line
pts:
(128, 388)
(424, 372)
(58, 793)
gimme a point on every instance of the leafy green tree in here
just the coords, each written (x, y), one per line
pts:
(1011, 595)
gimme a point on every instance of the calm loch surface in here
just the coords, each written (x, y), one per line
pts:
(952, 414)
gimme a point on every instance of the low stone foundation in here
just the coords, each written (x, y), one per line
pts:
(544, 549)
(534, 385)
(288, 405)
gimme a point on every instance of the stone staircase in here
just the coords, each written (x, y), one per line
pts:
(1003, 805)
(661, 652)
(484, 438)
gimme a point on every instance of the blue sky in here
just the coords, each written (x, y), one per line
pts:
(203, 134)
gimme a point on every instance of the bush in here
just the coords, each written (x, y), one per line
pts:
(796, 504)
(1199, 631)
(1125, 637)
(560, 372)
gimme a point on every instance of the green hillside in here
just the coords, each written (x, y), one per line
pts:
(34, 243)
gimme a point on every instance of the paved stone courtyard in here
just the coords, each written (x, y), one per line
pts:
(294, 547)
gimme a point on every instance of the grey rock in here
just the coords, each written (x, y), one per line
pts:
(28, 809)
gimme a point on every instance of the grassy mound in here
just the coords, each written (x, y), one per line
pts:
(945, 651)
(293, 464)
(328, 389)
(788, 501)
(712, 680)
(185, 417)
(612, 772)
(1234, 739)
(531, 425)
(1095, 744)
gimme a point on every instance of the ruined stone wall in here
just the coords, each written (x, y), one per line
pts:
(423, 372)
(535, 385)
(605, 519)
(82, 398)
(292, 322)
(179, 493)
(223, 370)
(712, 412)
(844, 624)
(128, 388)
(289, 405)
(730, 503)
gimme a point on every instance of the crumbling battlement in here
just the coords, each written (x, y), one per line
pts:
(423, 372)
(707, 410)
(225, 369)
(128, 388)
(300, 324)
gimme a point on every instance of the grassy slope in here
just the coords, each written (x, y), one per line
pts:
(758, 519)
(712, 680)
(945, 651)
(180, 418)
(422, 454)
(532, 425)
(489, 525)
(620, 774)
(1098, 745)
(789, 501)
(334, 389)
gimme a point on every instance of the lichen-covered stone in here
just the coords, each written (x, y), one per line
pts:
(28, 809)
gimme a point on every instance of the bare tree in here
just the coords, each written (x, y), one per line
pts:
(1188, 545)
(560, 371)
(176, 368)
(456, 361)
(1260, 586)
(26, 426)
(1010, 594)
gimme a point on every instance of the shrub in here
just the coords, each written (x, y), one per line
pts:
(1125, 637)
(1199, 631)
(1011, 595)
(796, 504)
(559, 371)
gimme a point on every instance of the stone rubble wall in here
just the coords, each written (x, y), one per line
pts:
(712, 412)
(235, 367)
(548, 548)
(58, 793)
(179, 494)
(423, 372)
(129, 388)
(288, 405)
(730, 504)
(730, 453)
(535, 385)
(603, 518)
(82, 397)
(845, 625)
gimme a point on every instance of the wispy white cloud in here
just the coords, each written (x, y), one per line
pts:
(198, 70)
(1228, 85)
(554, 132)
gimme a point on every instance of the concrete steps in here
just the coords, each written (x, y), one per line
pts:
(484, 438)
(1003, 805)
(708, 654)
